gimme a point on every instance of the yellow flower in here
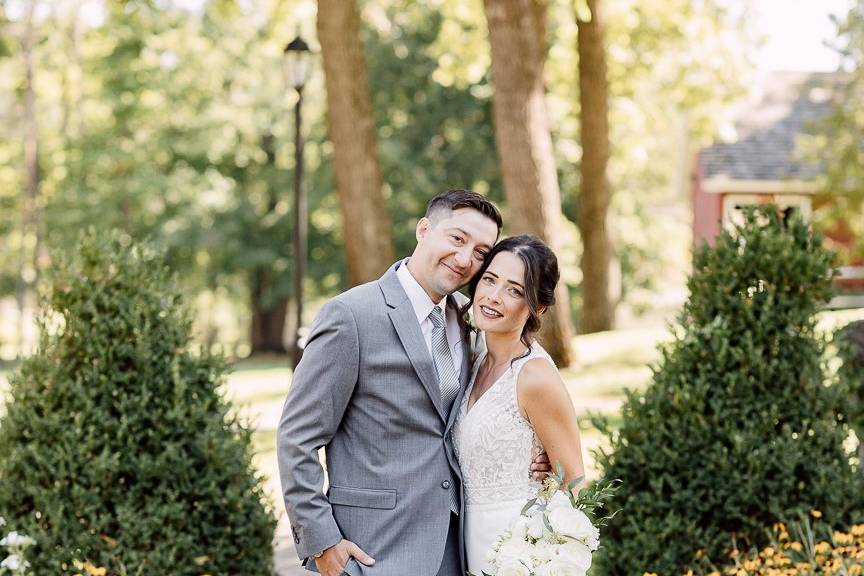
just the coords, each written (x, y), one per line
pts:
(816, 513)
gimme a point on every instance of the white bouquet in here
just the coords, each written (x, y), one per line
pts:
(556, 532)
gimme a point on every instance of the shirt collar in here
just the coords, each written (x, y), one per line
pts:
(420, 300)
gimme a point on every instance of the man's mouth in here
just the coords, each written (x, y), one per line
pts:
(454, 271)
(490, 313)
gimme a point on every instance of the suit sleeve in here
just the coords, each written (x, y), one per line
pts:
(321, 388)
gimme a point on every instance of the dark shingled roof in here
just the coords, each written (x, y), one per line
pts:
(785, 107)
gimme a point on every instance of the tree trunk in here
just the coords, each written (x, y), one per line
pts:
(366, 221)
(268, 318)
(517, 38)
(31, 226)
(598, 308)
(268, 311)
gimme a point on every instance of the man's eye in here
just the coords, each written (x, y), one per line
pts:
(457, 239)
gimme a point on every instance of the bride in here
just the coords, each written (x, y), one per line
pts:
(516, 405)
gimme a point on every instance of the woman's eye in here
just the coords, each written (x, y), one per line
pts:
(488, 280)
(515, 292)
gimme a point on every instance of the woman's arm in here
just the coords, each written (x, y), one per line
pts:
(545, 403)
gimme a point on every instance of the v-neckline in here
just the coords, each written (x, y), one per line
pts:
(470, 407)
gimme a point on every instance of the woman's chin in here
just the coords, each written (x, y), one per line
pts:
(486, 325)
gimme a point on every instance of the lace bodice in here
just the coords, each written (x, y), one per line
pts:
(494, 442)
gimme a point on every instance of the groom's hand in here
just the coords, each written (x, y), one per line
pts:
(540, 467)
(333, 561)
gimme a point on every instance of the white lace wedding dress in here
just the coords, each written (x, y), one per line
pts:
(495, 445)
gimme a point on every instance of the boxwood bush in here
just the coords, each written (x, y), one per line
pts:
(738, 428)
(116, 451)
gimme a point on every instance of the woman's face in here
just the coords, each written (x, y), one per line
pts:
(499, 299)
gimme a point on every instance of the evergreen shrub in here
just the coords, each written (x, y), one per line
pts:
(117, 452)
(738, 428)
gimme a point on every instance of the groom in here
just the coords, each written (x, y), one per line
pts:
(382, 376)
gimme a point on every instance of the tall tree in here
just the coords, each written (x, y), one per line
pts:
(598, 309)
(31, 222)
(517, 32)
(368, 243)
(836, 144)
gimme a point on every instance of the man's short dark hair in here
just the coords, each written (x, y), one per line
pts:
(455, 199)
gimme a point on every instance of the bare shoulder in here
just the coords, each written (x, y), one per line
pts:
(539, 378)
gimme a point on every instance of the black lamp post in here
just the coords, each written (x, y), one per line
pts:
(297, 66)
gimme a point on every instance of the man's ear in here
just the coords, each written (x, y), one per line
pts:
(423, 227)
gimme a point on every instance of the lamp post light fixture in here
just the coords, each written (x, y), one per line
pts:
(297, 62)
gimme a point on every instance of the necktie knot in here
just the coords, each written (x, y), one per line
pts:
(437, 317)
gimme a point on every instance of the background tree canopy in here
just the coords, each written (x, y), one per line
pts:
(171, 120)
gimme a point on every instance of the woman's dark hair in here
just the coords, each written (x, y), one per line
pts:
(541, 277)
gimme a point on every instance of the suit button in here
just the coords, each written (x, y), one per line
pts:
(445, 484)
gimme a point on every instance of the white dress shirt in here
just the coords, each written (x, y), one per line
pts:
(423, 305)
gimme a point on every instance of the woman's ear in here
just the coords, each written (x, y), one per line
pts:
(541, 309)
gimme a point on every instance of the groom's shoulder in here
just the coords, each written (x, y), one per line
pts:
(361, 297)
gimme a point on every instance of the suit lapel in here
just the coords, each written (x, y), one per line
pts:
(405, 322)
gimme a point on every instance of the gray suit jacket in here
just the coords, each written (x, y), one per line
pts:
(367, 390)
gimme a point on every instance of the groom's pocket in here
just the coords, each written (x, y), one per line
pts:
(352, 568)
(384, 499)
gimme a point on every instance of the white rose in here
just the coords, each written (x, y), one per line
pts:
(536, 527)
(513, 568)
(556, 567)
(574, 553)
(542, 552)
(560, 500)
(519, 527)
(572, 522)
(514, 550)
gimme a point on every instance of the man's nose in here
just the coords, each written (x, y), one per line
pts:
(463, 257)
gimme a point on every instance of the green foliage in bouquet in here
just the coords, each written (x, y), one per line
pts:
(738, 429)
(117, 452)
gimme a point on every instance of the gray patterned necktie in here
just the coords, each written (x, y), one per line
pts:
(447, 380)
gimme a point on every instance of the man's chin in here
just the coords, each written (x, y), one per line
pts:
(447, 288)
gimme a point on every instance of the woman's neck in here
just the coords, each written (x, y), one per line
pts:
(501, 347)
